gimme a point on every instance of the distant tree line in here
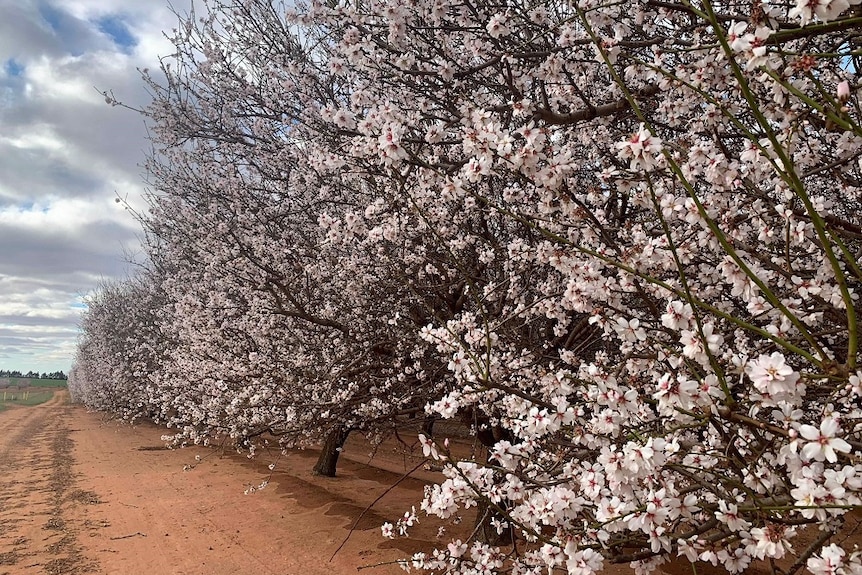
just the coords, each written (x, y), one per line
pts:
(32, 374)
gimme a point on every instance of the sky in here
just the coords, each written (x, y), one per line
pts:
(65, 156)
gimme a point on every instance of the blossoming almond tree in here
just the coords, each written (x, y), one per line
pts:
(121, 346)
(274, 331)
(623, 238)
(682, 176)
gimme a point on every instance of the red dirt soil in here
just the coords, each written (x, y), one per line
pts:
(83, 495)
(79, 494)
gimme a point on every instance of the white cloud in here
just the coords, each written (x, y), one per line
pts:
(65, 80)
(38, 137)
(67, 215)
(64, 157)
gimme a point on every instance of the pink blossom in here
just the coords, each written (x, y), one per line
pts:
(843, 91)
(497, 25)
(736, 37)
(642, 149)
(822, 443)
(771, 374)
(829, 561)
(824, 10)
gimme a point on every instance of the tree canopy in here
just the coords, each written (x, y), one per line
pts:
(620, 239)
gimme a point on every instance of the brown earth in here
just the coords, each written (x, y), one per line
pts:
(83, 495)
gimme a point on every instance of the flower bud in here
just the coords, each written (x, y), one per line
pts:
(843, 91)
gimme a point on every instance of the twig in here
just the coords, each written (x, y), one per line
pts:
(396, 562)
(364, 511)
(128, 536)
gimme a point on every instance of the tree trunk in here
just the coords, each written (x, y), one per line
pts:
(331, 450)
(486, 532)
(428, 426)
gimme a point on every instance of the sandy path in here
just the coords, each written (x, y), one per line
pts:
(80, 495)
(35, 490)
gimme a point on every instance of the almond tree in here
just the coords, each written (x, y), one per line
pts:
(629, 232)
(274, 330)
(121, 347)
(682, 177)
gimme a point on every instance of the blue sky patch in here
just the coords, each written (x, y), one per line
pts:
(116, 29)
(13, 68)
(72, 33)
(52, 16)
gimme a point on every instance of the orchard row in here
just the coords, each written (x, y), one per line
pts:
(619, 240)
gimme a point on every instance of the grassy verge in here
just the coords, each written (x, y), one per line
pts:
(27, 382)
(24, 397)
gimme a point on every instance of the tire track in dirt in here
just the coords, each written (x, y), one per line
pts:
(35, 485)
(82, 495)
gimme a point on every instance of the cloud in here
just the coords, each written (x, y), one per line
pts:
(64, 157)
(24, 31)
(65, 237)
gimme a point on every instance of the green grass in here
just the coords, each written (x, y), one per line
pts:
(25, 398)
(27, 382)
(47, 383)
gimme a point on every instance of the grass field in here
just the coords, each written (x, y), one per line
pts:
(27, 382)
(24, 397)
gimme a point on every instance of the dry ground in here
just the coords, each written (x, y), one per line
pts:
(82, 495)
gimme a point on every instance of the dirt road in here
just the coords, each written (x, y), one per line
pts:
(80, 495)
(35, 487)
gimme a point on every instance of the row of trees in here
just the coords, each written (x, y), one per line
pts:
(620, 240)
(32, 374)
